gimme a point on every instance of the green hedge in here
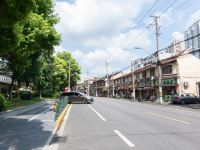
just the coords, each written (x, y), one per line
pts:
(47, 94)
(25, 95)
(50, 94)
(4, 104)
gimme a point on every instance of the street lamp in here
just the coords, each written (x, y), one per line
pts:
(140, 48)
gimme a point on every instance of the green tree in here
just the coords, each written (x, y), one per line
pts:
(61, 75)
(11, 13)
(37, 38)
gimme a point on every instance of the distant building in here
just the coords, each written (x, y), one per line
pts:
(174, 48)
(192, 38)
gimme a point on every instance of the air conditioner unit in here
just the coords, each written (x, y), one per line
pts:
(186, 84)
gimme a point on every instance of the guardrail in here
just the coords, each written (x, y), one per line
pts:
(61, 104)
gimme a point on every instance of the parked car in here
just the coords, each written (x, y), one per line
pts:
(185, 98)
(78, 97)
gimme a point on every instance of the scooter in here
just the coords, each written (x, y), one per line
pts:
(140, 99)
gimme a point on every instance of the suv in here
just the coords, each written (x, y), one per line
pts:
(185, 98)
(78, 97)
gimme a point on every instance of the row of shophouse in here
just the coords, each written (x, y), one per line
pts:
(180, 72)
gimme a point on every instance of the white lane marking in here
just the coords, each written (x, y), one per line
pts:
(169, 118)
(39, 114)
(98, 114)
(47, 120)
(129, 143)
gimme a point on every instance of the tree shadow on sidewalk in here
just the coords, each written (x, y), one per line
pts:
(20, 134)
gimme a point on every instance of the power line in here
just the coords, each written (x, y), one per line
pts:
(166, 9)
(154, 4)
(163, 50)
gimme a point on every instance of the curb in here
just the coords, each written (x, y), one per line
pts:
(60, 118)
(20, 110)
(57, 126)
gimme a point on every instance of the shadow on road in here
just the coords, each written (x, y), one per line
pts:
(19, 134)
(193, 106)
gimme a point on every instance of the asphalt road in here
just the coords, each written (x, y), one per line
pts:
(28, 130)
(111, 124)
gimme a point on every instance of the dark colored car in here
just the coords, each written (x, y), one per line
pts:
(185, 98)
(78, 97)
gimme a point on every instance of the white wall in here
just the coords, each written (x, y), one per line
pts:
(189, 71)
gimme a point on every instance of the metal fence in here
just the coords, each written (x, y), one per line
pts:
(61, 104)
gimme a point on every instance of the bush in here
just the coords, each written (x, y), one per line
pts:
(25, 95)
(35, 94)
(48, 94)
(56, 95)
(4, 104)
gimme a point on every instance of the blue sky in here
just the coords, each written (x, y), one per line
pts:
(96, 30)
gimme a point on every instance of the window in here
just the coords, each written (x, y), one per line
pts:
(167, 69)
(67, 94)
(144, 74)
(137, 76)
(152, 72)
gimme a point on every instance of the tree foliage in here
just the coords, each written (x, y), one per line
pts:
(28, 37)
(63, 62)
(11, 13)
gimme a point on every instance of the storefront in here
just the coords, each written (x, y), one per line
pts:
(169, 88)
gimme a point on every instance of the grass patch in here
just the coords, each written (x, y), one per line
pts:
(15, 103)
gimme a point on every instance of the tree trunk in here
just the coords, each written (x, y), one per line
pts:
(40, 93)
(11, 88)
(18, 91)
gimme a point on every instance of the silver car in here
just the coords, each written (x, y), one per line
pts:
(78, 97)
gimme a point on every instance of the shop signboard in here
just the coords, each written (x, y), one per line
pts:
(139, 63)
(149, 60)
(142, 84)
(5, 79)
(169, 82)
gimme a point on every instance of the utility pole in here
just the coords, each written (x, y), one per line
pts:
(113, 86)
(157, 30)
(88, 85)
(96, 88)
(69, 77)
(107, 78)
(132, 78)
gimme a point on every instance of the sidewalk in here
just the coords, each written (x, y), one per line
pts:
(20, 110)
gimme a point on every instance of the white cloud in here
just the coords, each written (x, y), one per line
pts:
(98, 25)
(193, 18)
(165, 19)
(178, 36)
(93, 18)
(59, 49)
(126, 40)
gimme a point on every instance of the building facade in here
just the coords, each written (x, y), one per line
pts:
(192, 38)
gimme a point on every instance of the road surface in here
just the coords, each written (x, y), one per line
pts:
(112, 124)
(27, 130)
